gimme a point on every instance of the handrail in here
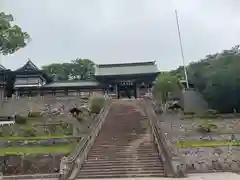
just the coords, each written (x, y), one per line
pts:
(83, 146)
(172, 164)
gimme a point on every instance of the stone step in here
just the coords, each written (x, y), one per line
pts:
(118, 151)
(120, 154)
(121, 139)
(123, 174)
(114, 164)
(124, 146)
(122, 169)
(97, 152)
(96, 161)
(123, 158)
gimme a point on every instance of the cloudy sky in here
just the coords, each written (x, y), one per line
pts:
(114, 31)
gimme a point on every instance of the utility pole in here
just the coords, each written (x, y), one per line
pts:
(181, 48)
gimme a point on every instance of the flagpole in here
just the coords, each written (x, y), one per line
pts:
(181, 48)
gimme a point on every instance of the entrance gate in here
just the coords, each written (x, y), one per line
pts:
(126, 89)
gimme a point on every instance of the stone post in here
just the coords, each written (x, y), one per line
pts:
(137, 91)
(116, 90)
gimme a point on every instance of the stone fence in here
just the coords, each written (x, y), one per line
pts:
(70, 165)
(173, 163)
(34, 176)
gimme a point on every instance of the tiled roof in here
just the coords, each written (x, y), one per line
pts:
(2, 68)
(126, 69)
(28, 67)
(72, 84)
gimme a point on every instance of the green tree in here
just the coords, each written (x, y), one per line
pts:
(78, 69)
(165, 84)
(217, 77)
(12, 38)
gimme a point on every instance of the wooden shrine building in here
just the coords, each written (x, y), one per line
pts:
(119, 80)
(134, 79)
(3, 81)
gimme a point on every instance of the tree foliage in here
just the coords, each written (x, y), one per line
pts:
(165, 84)
(217, 77)
(12, 38)
(78, 69)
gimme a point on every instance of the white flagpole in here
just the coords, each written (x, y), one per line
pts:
(181, 47)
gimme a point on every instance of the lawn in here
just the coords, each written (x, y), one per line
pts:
(16, 150)
(19, 138)
(206, 143)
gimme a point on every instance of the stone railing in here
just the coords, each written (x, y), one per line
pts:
(70, 165)
(31, 176)
(173, 163)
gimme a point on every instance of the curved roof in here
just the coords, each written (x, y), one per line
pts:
(74, 83)
(2, 68)
(28, 67)
(148, 67)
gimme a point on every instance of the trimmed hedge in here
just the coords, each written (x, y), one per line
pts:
(96, 104)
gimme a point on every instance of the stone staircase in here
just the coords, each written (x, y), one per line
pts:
(124, 146)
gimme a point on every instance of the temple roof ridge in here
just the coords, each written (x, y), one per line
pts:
(144, 63)
(2, 68)
(28, 66)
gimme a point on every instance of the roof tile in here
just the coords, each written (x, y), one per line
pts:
(126, 69)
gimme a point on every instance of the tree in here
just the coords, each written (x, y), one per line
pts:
(165, 84)
(217, 77)
(78, 69)
(12, 38)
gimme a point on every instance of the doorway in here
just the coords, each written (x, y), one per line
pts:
(127, 89)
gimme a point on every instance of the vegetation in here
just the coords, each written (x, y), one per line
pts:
(217, 77)
(78, 69)
(207, 126)
(96, 104)
(17, 150)
(34, 114)
(12, 38)
(18, 138)
(20, 119)
(206, 143)
(165, 84)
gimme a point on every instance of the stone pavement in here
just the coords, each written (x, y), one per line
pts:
(202, 176)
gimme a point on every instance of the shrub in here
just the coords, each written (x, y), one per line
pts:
(20, 119)
(189, 113)
(28, 132)
(34, 114)
(207, 126)
(96, 104)
(80, 118)
(212, 111)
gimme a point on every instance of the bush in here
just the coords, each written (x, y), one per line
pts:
(96, 104)
(20, 119)
(28, 132)
(207, 126)
(189, 113)
(80, 118)
(212, 111)
(34, 114)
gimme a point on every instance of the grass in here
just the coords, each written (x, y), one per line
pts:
(64, 148)
(206, 143)
(10, 138)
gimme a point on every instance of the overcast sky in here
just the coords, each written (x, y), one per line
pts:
(114, 31)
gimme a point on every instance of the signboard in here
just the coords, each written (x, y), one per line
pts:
(126, 83)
